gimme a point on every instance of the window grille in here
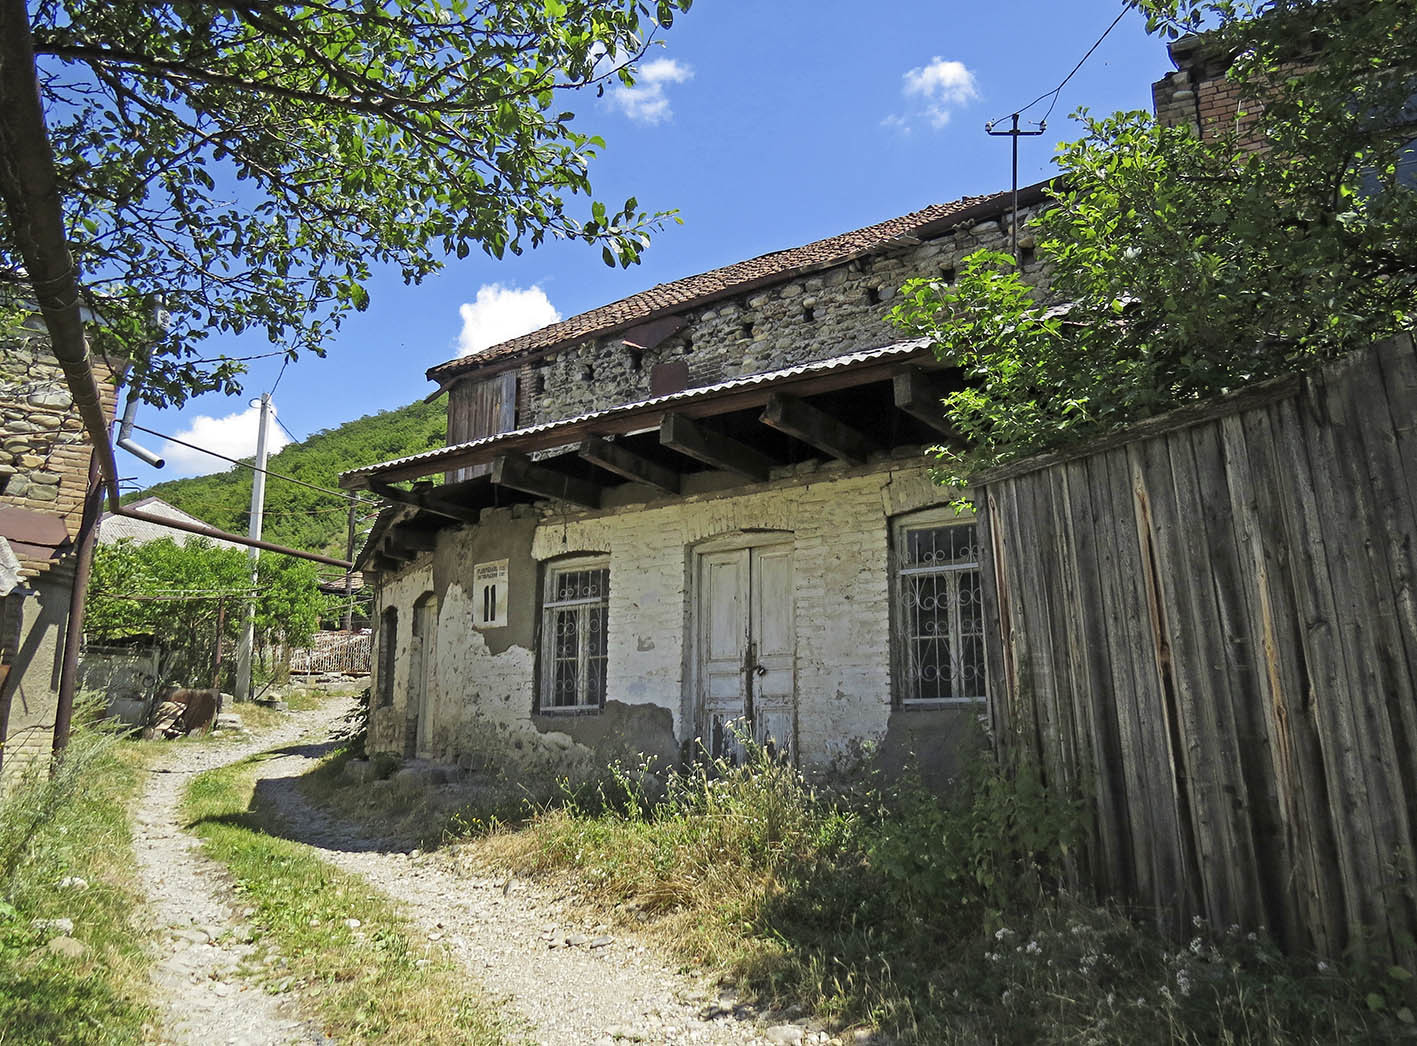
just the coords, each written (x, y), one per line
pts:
(574, 624)
(940, 622)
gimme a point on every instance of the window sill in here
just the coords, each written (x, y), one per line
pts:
(944, 702)
(569, 710)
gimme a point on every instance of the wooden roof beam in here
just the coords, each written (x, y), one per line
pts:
(519, 472)
(422, 500)
(619, 459)
(917, 395)
(817, 428)
(714, 449)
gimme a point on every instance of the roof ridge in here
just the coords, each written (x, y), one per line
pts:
(702, 287)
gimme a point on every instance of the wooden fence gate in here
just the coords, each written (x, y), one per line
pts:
(1207, 625)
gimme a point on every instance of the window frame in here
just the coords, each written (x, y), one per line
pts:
(900, 528)
(545, 691)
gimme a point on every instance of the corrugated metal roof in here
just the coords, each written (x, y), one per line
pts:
(898, 350)
(717, 283)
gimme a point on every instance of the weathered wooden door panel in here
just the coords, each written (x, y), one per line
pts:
(746, 649)
(770, 676)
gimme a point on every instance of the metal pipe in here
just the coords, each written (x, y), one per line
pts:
(206, 531)
(78, 605)
(125, 429)
(29, 185)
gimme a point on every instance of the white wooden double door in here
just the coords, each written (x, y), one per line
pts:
(746, 648)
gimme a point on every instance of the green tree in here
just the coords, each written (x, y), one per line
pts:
(237, 166)
(1185, 267)
(183, 596)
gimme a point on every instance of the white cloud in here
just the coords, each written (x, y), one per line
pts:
(233, 435)
(933, 91)
(500, 313)
(647, 101)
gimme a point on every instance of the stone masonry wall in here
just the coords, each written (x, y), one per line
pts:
(44, 452)
(828, 313)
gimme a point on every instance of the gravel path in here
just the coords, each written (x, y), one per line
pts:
(571, 984)
(194, 916)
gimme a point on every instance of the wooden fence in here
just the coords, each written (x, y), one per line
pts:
(1207, 626)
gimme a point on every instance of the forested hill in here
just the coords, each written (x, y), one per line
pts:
(295, 515)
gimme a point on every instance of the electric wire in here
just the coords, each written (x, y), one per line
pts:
(347, 495)
(1055, 92)
(276, 384)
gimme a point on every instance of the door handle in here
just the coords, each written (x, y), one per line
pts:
(759, 670)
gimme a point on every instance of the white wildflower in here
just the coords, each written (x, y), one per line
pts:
(1323, 966)
(1033, 948)
(1002, 932)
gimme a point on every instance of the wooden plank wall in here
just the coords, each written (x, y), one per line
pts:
(1208, 627)
(477, 409)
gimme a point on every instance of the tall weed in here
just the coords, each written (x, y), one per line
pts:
(941, 920)
(55, 831)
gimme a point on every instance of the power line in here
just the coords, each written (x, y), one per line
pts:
(283, 365)
(348, 495)
(1055, 92)
(283, 425)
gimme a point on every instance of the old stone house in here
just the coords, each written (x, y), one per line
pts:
(44, 464)
(699, 510)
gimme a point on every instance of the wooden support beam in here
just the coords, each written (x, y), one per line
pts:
(383, 562)
(521, 473)
(918, 396)
(816, 428)
(713, 448)
(423, 500)
(622, 461)
(413, 541)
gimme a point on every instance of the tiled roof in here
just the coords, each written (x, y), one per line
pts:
(434, 459)
(735, 278)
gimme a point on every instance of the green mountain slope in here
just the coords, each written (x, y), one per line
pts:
(295, 515)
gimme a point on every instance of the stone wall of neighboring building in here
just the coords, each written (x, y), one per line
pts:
(44, 451)
(1199, 95)
(44, 463)
(797, 320)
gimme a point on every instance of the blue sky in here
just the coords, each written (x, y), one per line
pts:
(765, 125)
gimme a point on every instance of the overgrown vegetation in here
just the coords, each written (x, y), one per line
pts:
(184, 596)
(66, 854)
(938, 921)
(1194, 266)
(341, 943)
(298, 516)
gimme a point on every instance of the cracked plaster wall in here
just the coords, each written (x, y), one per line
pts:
(484, 681)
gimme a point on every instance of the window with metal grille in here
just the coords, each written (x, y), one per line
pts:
(574, 616)
(939, 622)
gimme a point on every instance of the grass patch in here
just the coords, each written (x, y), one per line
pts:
(375, 982)
(74, 825)
(940, 923)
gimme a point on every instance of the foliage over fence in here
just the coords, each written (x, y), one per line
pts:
(1208, 626)
(189, 597)
(1196, 265)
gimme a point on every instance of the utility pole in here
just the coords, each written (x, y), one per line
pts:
(1015, 134)
(258, 508)
(348, 623)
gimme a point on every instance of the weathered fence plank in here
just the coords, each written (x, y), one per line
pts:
(1211, 633)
